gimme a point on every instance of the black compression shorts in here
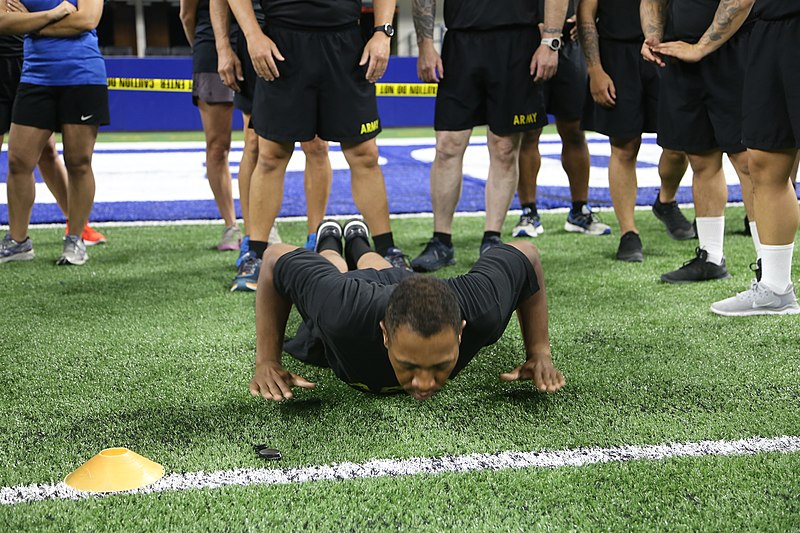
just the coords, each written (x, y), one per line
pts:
(49, 107)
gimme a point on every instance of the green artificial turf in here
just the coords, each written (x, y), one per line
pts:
(144, 347)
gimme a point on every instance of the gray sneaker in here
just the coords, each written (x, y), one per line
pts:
(231, 239)
(11, 250)
(74, 251)
(759, 300)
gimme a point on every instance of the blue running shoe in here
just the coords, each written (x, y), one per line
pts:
(247, 277)
(586, 222)
(11, 250)
(529, 225)
(311, 241)
(244, 247)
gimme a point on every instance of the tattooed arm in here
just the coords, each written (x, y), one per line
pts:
(429, 64)
(600, 83)
(653, 14)
(729, 17)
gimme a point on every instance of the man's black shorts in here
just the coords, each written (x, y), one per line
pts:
(636, 84)
(321, 90)
(49, 107)
(243, 100)
(565, 93)
(700, 104)
(771, 102)
(487, 80)
(10, 71)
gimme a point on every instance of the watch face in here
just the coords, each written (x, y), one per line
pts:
(389, 30)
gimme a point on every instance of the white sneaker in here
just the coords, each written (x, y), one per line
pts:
(529, 225)
(759, 300)
(74, 251)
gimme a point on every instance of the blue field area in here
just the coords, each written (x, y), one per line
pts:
(146, 183)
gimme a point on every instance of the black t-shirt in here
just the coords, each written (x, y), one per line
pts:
(689, 19)
(776, 9)
(347, 337)
(312, 13)
(619, 20)
(11, 45)
(489, 15)
(570, 11)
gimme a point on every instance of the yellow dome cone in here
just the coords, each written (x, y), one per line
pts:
(113, 470)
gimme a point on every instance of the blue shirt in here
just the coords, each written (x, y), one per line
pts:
(56, 61)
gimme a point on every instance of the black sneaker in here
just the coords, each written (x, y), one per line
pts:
(327, 228)
(678, 227)
(489, 243)
(697, 269)
(630, 248)
(435, 256)
(397, 258)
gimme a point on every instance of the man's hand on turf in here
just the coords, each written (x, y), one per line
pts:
(264, 53)
(690, 53)
(376, 56)
(273, 382)
(541, 371)
(229, 68)
(430, 68)
(602, 88)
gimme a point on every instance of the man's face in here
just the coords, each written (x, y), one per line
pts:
(422, 364)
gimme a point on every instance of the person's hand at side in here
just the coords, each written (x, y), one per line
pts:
(430, 68)
(602, 88)
(229, 68)
(264, 53)
(540, 370)
(273, 382)
(376, 56)
(544, 63)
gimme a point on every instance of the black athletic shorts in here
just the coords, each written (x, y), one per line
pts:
(636, 84)
(341, 313)
(771, 101)
(48, 107)
(321, 89)
(487, 80)
(565, 93)
(10, 71)
(700, 104)
(243, 100)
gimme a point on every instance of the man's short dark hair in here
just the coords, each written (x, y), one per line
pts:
(425, 305)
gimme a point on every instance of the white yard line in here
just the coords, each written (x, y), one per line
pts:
(419, 465)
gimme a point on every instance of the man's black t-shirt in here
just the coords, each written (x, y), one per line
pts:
(342, 313)
(489, 15)
(689, 19)
(776, 9)
(619, 20)
(11, 45)
(318, 14)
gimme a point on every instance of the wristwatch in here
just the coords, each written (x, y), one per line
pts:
(554, 43)
(388, 29)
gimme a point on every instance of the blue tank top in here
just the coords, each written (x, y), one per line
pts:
(55, 61)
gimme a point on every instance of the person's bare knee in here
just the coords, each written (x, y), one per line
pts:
(571, 134)
(78, 163)
(272, 157)
(362, 156)
(315, 149)
(450, 146)
(625, 150)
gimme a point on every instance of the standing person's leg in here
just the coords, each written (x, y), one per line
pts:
(216, 120)
(79, 141)
(317, 183)
(530, 161)
(576, 162)
(501, 184)
(25, 144)
(672, 166)
(710, 197)
(246, 167)
(623, 188)
(446, 180)
(369, 190)
(741, 163)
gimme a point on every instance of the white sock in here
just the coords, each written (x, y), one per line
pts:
(776, 266)
(711, 234)
(756, 240)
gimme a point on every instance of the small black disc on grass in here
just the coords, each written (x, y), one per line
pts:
(263, 451)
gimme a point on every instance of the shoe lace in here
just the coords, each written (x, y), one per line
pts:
(397, 258)
(526, 219)
(699, 252)
(249, 265)
(752, 293)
